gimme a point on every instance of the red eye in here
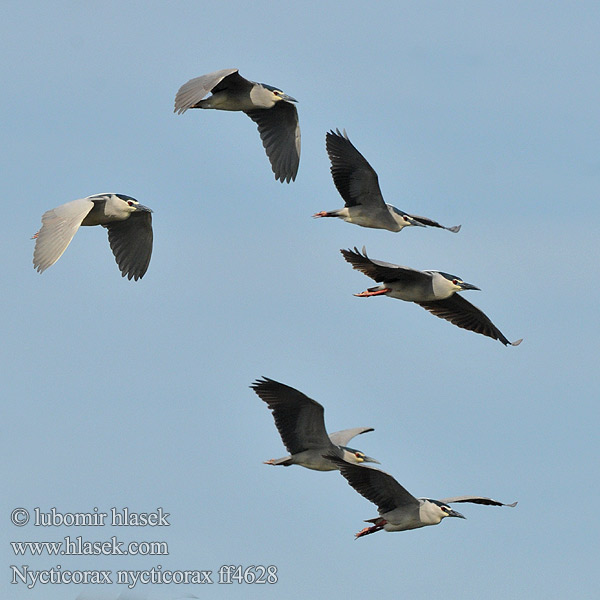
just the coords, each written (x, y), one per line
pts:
(130, 203)
(405, 218)
(455, 281)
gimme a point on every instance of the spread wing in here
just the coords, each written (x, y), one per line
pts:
(354, 178)
(196, 89)
(299, 419)
(59, 225)
(131, 243)
(463, 314)
(476, 500)
(432, 223)
(382, 271)
(375, 485)
(279, 131)
(341, 438)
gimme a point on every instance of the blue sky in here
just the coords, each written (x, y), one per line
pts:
(123, 394)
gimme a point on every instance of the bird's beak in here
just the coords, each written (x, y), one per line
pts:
(455, 513)
(288, 98)
(369, 459)
(142, 208)
(468, 286)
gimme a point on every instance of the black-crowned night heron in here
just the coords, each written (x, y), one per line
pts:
(358, 185)
(301, 424)
(129, 225)
(267, 106)
(398, 509)
(435, 291)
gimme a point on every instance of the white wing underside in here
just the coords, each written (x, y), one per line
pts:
(341, 438)
(59, 225)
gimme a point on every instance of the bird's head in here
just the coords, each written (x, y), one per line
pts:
(356, 456)
(436, 511)
(130, 204)
(277, 95)
(456, 284)
(402, 218)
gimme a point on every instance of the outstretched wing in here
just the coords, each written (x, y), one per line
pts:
(59, 225)
(476, 500)
(375, 485)
(432, 223)
(279, 131)
(299, 419)
(131, 243)
(341, 438)
(462, 313)
(196, 89)
(354, 178)
(382, 271)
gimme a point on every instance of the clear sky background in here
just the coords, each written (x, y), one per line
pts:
(117, 393)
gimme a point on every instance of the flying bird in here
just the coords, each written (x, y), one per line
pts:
(128, 222)
(435, 291)
(358, 185)
(272, 110)
(398, 509)
(301, 424)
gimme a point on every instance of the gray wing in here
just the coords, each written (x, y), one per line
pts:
(476, 500)
(382, 271)
(432, 223)
(354, 178)
(280, 134)
(131, 243)
(59, 225)
(196, 89)
(299, 419)
(341, 438)
(375, 485)
(462, 313)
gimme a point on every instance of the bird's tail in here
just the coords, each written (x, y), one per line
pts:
(286, 461)
(326, 213)
(378, 526)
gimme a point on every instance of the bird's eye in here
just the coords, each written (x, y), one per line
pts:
(358, 455)
(455, 281)
(405, 218)
(130, 203)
